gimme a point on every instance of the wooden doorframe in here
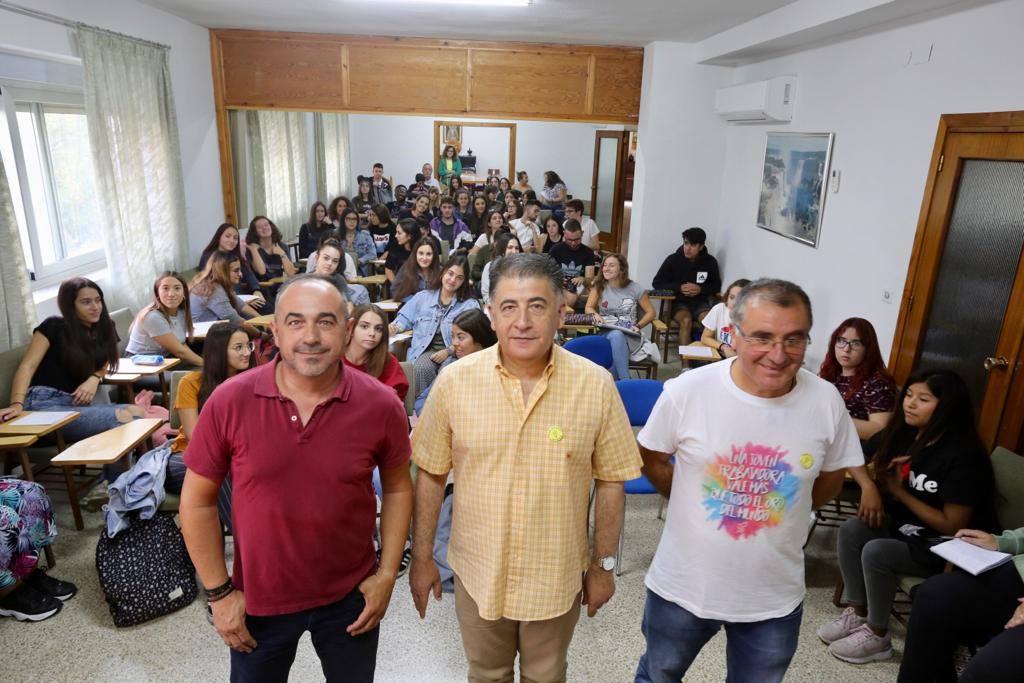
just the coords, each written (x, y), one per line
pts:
(929, 243)
(478, 124)
(615, 236)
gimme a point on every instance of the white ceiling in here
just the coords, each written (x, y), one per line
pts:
(608, 22)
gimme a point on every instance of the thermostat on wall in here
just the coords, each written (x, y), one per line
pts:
(833, 180)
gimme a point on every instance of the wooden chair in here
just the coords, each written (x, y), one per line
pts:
(410, 398)
(647, 367)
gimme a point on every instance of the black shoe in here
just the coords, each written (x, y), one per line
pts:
(55, 588)
(403, 564)
(25, 603)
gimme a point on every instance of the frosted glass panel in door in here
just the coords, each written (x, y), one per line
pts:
(977, 271)
(607, 155)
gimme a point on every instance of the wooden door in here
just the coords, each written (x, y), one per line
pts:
(611, 148)
(963, 303)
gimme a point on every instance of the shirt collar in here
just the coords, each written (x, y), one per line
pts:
(266, 383)
(553, 360)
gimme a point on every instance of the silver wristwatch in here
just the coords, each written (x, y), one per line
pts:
(606, 563)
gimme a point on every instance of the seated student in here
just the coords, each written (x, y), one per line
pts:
(552, 234)
(334, 209)
(419, 187)
(854, 364)
(380, 187)
(419, 271)
(227, 239)
(492, 225)
(513, 209)
(471, 332)
(591, 233)
(691, 273)
(368, 352)
(490, 198)
(614, 299)
(165, 325)
(448, 228)
(463, 201)
(381, 229)
(363, 200)
(434, 207)
(328, 260)
(419, 213)
(396, 207)
(938, 479)
(554, 194)
(504, 244)
(718, 329)
(455, 186)
(349, 271)
(357, 241)
(527, 228)
(522, 182)
(226, 352)
(400, 248)
(315, 226)
(578, 262)
(504, 187)
(27, 592)
(65, 363)
(477, 215)
(955, 608)
(267, 252)
(430, 313)
(212, 293)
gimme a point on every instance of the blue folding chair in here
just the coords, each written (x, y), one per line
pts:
(639, 397)
(594, 348)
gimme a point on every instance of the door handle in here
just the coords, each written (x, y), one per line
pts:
(997, 362)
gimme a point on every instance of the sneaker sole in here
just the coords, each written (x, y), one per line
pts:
(829, 642)
(20, 616)
(877, 657)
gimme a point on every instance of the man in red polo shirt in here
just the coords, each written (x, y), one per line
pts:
(300, 437)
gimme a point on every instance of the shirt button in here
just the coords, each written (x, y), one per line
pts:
(294, 418)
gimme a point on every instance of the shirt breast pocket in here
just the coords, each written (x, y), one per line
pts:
(566, 458)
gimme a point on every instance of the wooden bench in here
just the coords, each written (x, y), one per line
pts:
(103, 449)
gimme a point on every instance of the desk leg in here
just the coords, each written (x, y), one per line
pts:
(26, 465)
(164, 391)
(51, 561)
(76, 510)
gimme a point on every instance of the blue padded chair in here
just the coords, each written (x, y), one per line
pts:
(639, 397)
(594, 348)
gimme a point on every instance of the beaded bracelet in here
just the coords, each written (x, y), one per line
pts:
(220, 592)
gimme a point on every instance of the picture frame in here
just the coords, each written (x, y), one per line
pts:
(794, 184)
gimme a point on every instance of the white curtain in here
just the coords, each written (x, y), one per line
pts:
(278, 153)
(17, 310)
(333, 168)
(133, 132)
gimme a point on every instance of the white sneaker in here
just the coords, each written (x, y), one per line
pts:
(862, 646)
(847, 623)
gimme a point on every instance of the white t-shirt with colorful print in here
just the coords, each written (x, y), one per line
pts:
(718, 320)
(738, 517)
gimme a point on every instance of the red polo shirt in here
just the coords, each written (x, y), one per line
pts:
(303, 507)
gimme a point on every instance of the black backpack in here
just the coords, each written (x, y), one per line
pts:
(145, 570)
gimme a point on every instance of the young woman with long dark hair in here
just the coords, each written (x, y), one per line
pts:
(554, 194)
(505, 244)
(419, 270)
(368, 352)
(228, 239)
(266, 250)
(165, 326)
(551, 234)
(66, 361)
(315, 226)
(619, 300)
(937, 479)
(400, 248)
(357, 240)
(476, 218)
(381, 228)
(334, 209)
(419, 212)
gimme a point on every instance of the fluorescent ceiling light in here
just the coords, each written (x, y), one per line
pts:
(491, 3)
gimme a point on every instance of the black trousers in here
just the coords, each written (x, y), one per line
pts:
(958, 608)
(342, 657)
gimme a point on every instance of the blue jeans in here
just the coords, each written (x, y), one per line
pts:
(620, 353)
(342, 657)
(755, 651)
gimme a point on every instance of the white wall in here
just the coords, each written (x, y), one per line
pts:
(404, 143)
(190, 75)
(884, 115)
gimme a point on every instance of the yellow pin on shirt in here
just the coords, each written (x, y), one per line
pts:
(556, 434)
(807, 461)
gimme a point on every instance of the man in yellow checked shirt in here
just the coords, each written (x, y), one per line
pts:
(526, 426)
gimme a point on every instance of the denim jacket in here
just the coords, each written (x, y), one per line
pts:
(423, 314)
(364, 247)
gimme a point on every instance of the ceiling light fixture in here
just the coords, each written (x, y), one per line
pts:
(491, 3)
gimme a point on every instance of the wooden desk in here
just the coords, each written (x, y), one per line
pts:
(378, 282)
(38, 431)
(273, 281)
(128, 373)
(103, 449)
(261, 320)
(18, 443)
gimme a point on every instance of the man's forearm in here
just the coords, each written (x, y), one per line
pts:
(610, 500)
(204, 539)
(826, 487)
(658, 470)
(395, 514)
(429, 497)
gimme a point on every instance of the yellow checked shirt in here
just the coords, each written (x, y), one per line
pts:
(519, 540)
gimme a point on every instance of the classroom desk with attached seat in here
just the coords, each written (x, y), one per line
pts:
(128, 373)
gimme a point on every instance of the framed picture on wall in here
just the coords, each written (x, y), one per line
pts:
(794, 182)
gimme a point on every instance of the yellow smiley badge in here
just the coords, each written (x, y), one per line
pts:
(556, 434)
(807, 461)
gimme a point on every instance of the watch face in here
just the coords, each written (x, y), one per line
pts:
(607, 563)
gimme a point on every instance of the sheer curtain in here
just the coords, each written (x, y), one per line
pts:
(333, 169)
(278, 154)
(133, 133)
(17, 310)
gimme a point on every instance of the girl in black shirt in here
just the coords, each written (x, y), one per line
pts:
(406, 233)
(382, 229)
(228, 239)
(313, 229)
(66, 362)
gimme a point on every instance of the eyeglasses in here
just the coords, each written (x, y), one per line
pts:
(794, 344)
(852, 344)
(242, 348)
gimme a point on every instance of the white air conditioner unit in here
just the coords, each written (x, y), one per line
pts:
(759, 102)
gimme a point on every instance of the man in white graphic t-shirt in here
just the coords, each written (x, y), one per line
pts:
(758, 443)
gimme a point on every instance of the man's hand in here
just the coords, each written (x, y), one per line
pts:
(424, 579)
(598, 588)
(1018, 615)
(229, 620)
(689, 289)
(376, 592)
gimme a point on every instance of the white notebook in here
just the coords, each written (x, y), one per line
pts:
(970, 557)
(41, 418)
(696, 352)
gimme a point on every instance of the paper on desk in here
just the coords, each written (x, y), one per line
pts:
(203, 329)
(970, 557)
(40, 418)
(244, 298)
(696, 352)
(401, 336)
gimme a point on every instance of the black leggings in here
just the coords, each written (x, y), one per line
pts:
(958, 608)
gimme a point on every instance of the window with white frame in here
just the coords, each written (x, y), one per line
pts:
(44, 141)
